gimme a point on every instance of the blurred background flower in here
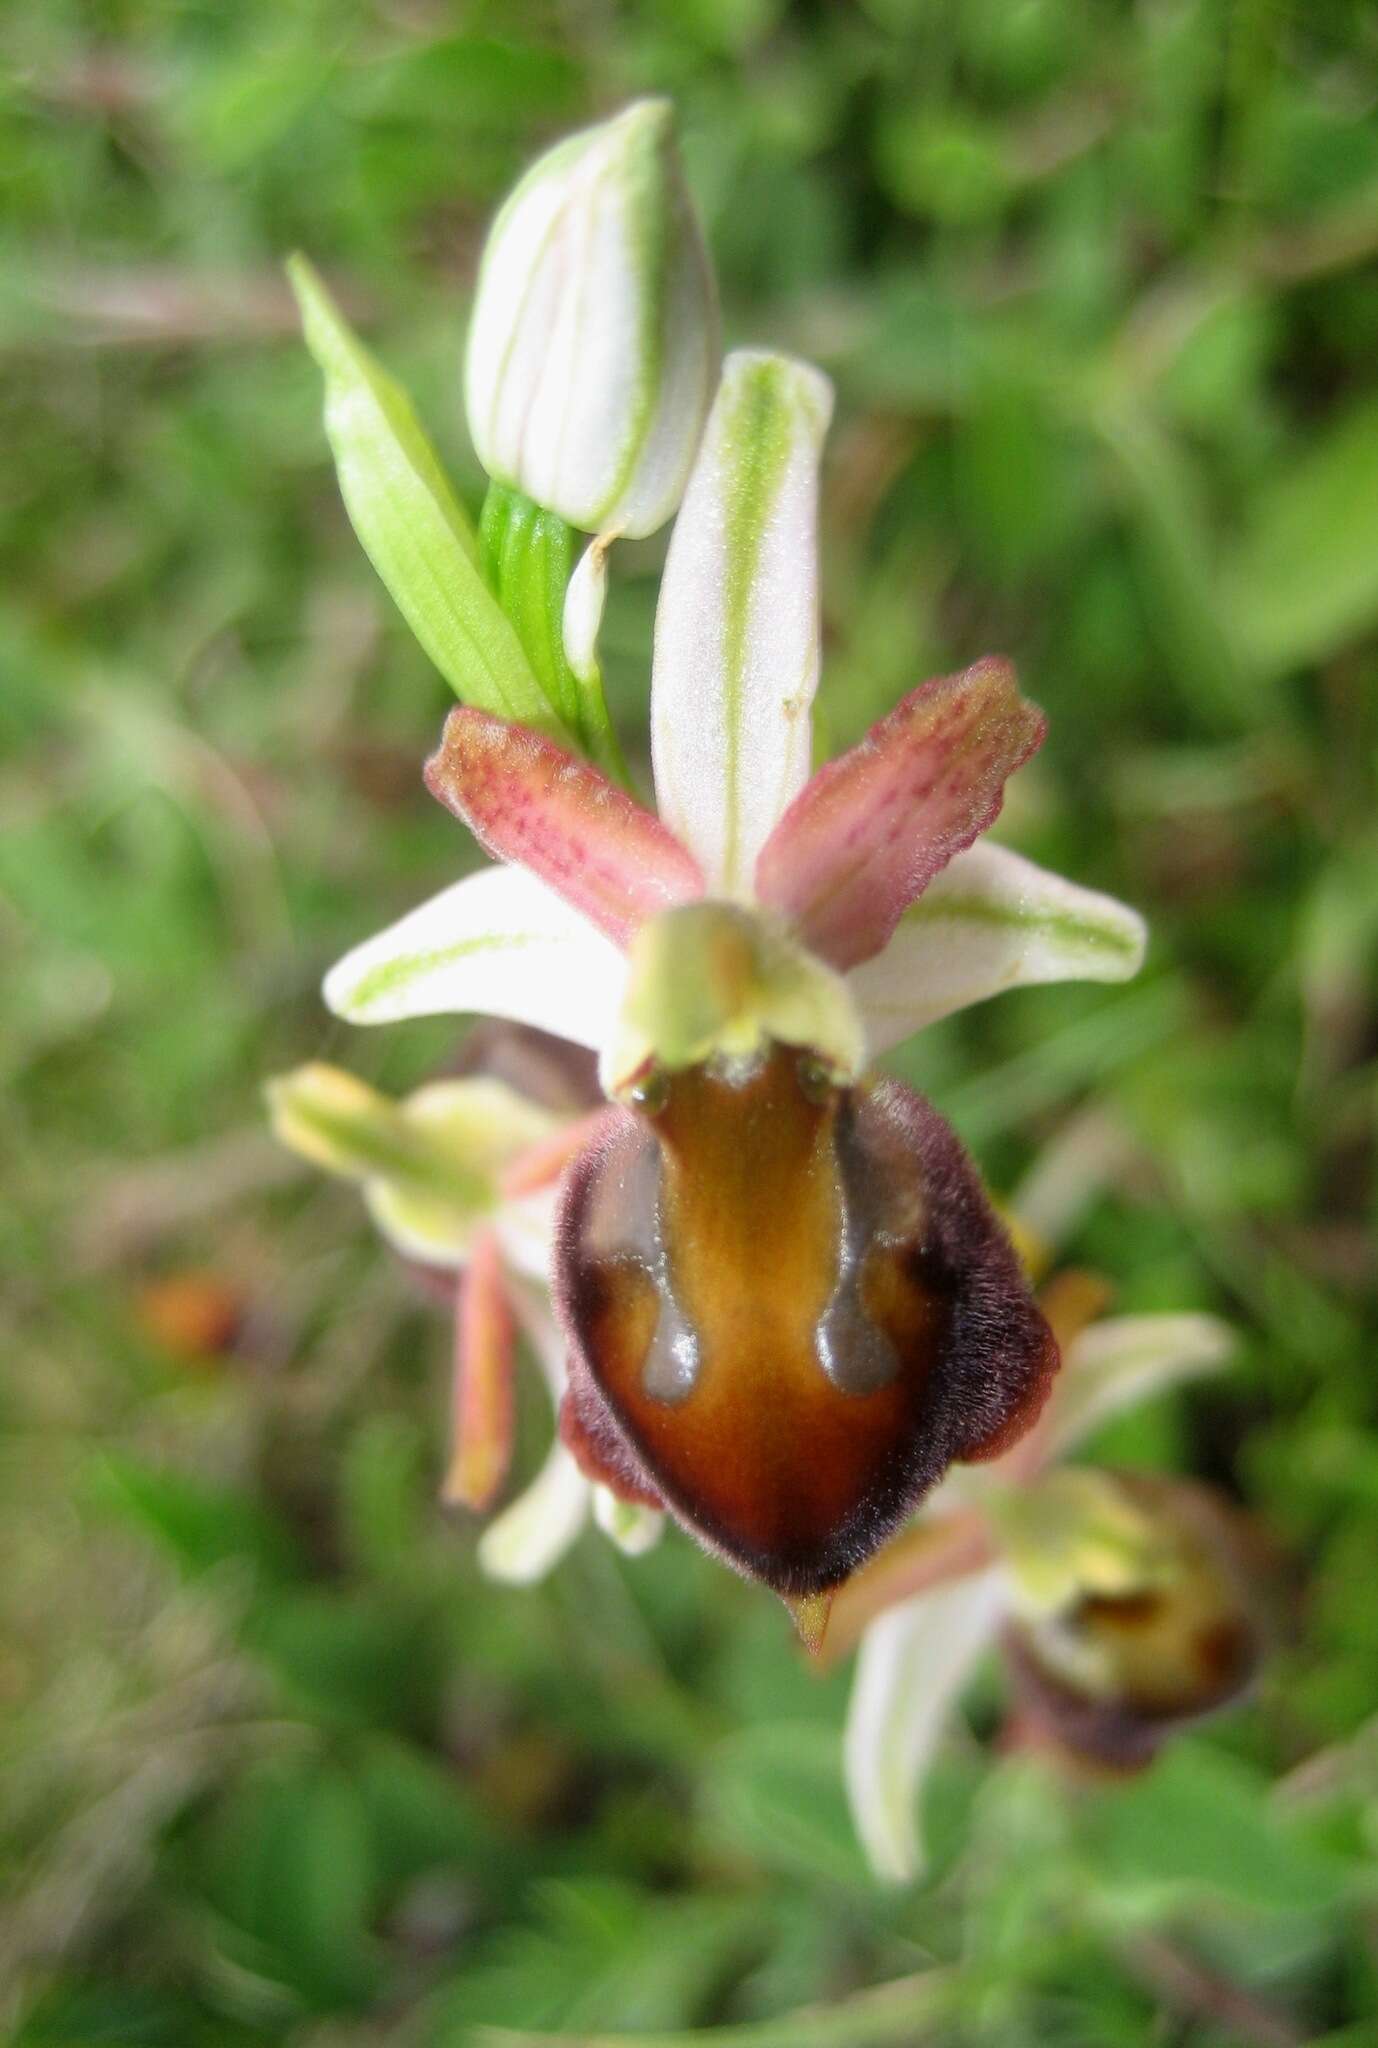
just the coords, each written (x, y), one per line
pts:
(1096, 290)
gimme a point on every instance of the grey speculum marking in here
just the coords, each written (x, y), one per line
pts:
(857, 1356)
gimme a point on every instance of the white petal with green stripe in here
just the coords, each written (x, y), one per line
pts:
(412, 526)
(737, 629)
(593, 343)
(912, 1666)
(991, 921)
(500, 944)
(1126, 1359)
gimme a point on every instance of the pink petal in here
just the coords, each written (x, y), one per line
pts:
(526, 800)
(868, 833)
(482, 1399)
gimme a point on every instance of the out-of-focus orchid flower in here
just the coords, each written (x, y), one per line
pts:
(594, 340)
(1124, 1602)
(1107, 1674)
(460, 1179)
(789, 1304)
(431, 1168)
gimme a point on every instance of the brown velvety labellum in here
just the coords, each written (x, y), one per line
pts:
(790, 1307)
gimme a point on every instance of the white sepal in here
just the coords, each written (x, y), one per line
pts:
(737, 628)
(1123, 1360)
(912, 1665)
(633, 1528)
(594, 337)
(499, 942)
(991, 921)
(529, 1538)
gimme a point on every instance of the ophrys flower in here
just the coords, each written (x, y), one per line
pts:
(788, 1303)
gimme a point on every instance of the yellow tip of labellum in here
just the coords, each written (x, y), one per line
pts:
(809, 1612)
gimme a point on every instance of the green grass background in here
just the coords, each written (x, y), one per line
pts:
(1098, 286)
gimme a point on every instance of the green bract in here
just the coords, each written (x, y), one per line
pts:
(412, 527)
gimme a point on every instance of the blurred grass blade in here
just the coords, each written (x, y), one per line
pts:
(412, 526)
(908, 2010)
(1303, 578)
(1171, 541)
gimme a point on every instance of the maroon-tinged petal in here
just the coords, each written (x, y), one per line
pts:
(790, 1307)
(546, 1069)
(527, 801)
(936, 1550)
(482, 1401)
(869, 831)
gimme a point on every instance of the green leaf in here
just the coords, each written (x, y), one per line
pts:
(352, 1659)
(291, 1867)
(424, 1815)
(1200, 1823)
(201, 1525)
(412, 526)
(773, 1792)
(1303, 578)
(603, 1955)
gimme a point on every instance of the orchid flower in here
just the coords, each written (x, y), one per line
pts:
(787, 1302)
(1124, 1602)
(737, 959)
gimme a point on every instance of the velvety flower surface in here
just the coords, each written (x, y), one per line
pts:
(790, 1307)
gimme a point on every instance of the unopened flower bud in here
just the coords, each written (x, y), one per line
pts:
(593, 347)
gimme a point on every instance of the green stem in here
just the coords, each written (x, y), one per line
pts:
(526, 554)
(887, 2016)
